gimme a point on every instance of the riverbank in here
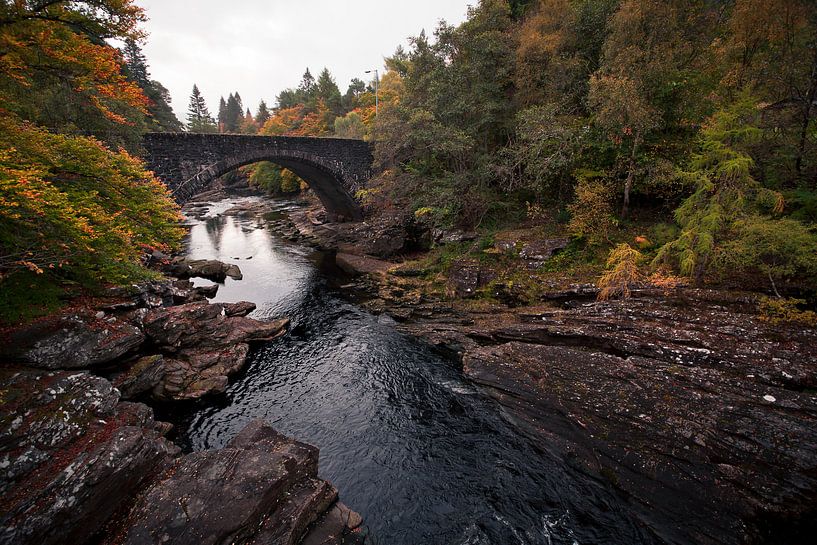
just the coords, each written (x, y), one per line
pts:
(694, 405)
(84, 459)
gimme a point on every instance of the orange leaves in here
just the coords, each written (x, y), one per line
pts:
(69, 201)
(45, 54)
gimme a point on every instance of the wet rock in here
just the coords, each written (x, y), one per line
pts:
(140, 376)
(248, 209)
(73, 341)
(203, 345)
(211, 269)
(205, 326)
(670, 400)
(72, 455)
(194, 373)
(241, 308)
(261, 488)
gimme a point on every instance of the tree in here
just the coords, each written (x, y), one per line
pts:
(327, 90)
(248, 124)
(234, 113)
(306, 90)
(72, 209)
(222, 114)
(160, 115)
(57, 70)
(198, 116)
(620, 109)
(263, 114)
(350, 126)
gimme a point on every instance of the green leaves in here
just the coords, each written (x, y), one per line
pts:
(74, 209)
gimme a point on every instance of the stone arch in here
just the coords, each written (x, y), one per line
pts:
(334, 168)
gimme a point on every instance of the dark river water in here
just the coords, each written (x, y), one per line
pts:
(407, 440)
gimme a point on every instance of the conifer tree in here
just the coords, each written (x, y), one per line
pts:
(222, 114)
(234, 113)
(198, 116)
(263, 114)
(327, 90)
(160, 115)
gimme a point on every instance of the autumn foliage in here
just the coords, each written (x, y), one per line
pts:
(74, 208)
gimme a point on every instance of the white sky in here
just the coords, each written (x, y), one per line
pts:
(260, 47)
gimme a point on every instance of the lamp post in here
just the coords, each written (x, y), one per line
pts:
(376, 84)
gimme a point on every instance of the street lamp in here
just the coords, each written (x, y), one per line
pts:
(376, 82)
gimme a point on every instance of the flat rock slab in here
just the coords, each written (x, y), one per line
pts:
(361, 264)
(705, 417)
(73, 341)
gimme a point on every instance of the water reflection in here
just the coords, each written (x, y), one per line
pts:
(407, 440)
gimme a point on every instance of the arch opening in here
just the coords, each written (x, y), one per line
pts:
(340, 205)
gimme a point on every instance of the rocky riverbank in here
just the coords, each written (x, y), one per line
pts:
(83, 459)
(701, 411)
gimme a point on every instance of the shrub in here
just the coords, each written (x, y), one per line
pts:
(592, 213)
(622, 272)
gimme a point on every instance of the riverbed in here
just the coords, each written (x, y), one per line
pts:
(409, 442)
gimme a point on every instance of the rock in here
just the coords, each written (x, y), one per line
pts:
(72, 455)
(211, 269)
(141, 376)
(357, 264)
(261, 488)
(339, 526)
(238, 309)
(204, 344)
(205, 326)
(386, 240)
(73, 341)
(195, 373)
(667, 399)
(465, 277)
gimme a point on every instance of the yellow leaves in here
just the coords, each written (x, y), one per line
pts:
(622, 272)
(32, 266)
(78, 203)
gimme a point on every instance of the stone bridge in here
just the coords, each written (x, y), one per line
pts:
(334, 168)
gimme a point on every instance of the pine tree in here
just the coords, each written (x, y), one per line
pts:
(222, 114)
(198, 116)
(263, 114)
(234, 113)
(136, 63)
(160, 114)
(327, 90)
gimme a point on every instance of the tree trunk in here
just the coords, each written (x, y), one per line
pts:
(628, 185)
(810, 97)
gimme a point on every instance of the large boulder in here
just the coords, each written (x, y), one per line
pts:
(203, 345)
(211, 269)
(72, 455)
(261, 488)
(78, 340)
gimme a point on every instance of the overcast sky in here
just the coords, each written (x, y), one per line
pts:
(260, 47)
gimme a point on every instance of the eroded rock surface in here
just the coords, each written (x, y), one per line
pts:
(217, 271)
(77, 340)
(72, 455)
(262, 488)
(203, 345)
(705, 416)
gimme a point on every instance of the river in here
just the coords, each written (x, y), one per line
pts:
(410, 444)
